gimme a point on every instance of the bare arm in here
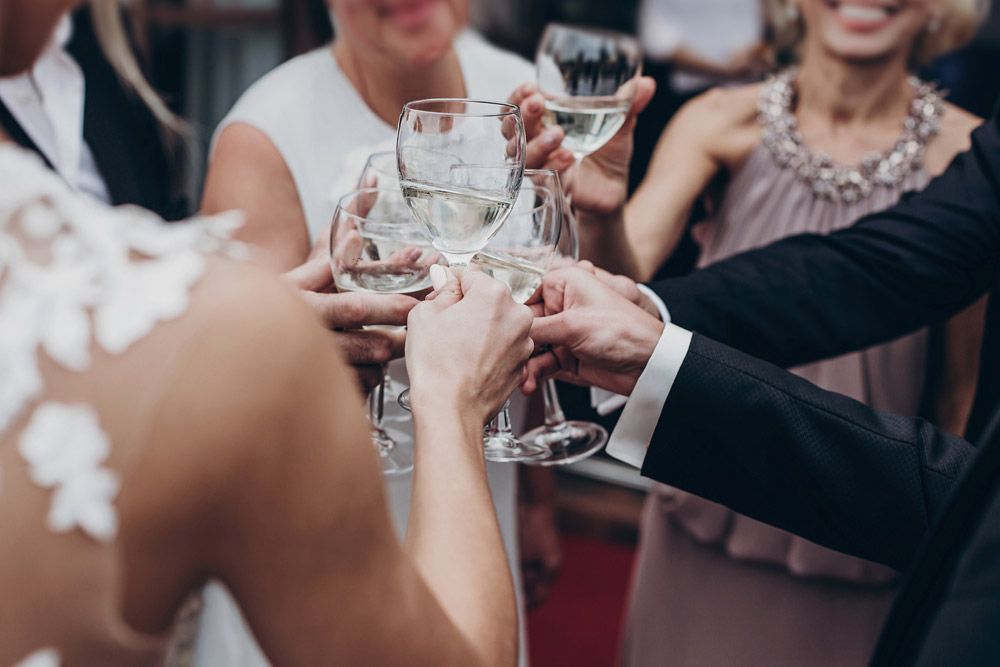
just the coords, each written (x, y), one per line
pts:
(709, 133)
(248, 173)
(281, 499)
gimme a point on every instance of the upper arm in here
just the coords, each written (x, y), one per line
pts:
(248, 172)
(260, 472)
(693, 148)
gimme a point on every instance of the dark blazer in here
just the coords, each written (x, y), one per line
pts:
(887, 488)
(125, 138)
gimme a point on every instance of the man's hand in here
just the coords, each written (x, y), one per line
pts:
(599, 337)
(346, 313)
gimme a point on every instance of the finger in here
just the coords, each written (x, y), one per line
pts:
(447, 288)
(588, 266)
(541, 147)
(644, 91)
(559, 160)
(550, 330)
(313, 276)
(353, 310)
(370, 348)
(521, 93)
(532, 114)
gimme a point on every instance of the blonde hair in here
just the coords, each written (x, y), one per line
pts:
(957, 25)
(115, 45)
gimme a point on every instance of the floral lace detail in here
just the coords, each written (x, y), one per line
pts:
(109, 277)
(65, 447)
(836, 182)
(44, 658)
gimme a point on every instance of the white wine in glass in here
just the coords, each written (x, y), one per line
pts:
(459, 209)
(588, 78)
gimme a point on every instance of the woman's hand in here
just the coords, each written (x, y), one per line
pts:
(544, 144)
(466, 346)
(601, 186)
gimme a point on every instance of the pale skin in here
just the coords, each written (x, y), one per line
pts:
(852, 97)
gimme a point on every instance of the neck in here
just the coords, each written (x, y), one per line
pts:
(386, 86)
(845, 92)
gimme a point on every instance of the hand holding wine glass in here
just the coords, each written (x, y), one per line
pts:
(589, 80)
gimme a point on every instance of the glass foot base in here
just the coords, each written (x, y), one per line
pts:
(505, 449)
(571, 442)
(395, 457)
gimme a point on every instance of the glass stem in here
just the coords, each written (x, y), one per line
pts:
(577, 159)
(555, 419)
(500, 425)
(376, 406)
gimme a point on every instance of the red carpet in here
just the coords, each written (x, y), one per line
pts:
(580, 624)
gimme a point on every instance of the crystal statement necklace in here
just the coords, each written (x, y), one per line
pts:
(837, 182)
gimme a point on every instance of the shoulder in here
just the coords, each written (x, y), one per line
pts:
(954, 137)
(499, 67)
(279, 95)
(722, 120)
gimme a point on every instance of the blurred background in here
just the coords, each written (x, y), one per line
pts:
(202, 54)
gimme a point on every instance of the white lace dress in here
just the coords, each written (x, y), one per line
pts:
(81, 286)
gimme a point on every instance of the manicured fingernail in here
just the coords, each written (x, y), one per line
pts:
(551, 137)
(438, 276)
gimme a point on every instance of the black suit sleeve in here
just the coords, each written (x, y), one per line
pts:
(811, 297)
(771, 445)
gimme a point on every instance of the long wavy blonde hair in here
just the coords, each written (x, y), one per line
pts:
(958, 24)
(107, 15)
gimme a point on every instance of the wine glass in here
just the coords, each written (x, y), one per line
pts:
(380, 172)
(519, 255)
(588, 78)
(570, 441)
(375, 246)
(460, 209)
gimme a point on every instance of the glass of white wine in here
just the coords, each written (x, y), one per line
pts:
(519, 255)
(460, 209)
(375, 246)
(588, 78)
(570, 441)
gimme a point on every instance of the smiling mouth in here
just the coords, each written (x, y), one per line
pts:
(862, 13)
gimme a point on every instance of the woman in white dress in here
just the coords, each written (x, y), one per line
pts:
(299, 138)
(162, 421)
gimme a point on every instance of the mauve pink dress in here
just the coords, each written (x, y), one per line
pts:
(712, 587)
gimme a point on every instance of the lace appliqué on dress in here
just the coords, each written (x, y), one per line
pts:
(98, 275)
(837, 182)
(44, 658)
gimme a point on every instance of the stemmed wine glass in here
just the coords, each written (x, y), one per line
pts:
(588, 78)
(375, 246)
(570, 441)
(460, 209)
(380, 172)
(519, 255)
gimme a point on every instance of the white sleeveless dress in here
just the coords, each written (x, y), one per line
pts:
(325, 132)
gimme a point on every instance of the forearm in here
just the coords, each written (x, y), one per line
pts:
(453, 534)
(603, 241)
(779, 449)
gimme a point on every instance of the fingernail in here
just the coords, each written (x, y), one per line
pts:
(438, 276)
(551, 137)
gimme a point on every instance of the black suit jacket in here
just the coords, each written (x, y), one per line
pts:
(123, 135)
(883, 487)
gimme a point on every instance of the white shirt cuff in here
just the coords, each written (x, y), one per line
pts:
(630, 439)
(606, 402)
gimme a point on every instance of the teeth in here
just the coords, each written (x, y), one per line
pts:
(864, 13)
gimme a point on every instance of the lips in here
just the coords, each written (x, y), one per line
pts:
(862, 16)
